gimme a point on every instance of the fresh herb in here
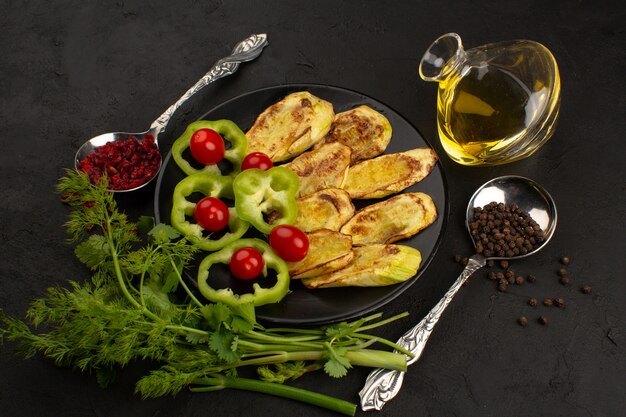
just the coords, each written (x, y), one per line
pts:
(137, 306)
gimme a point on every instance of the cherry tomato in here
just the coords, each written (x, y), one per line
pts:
(257, 160)
(246, 263)
(207, 146)
(212, 214)
(289, 242)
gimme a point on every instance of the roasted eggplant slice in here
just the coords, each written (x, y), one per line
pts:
(328, 251)
(321, 168)
(396, 218)
(372, 266)
(363, 129)
(325, 209)
(291, 126)
(389, 174)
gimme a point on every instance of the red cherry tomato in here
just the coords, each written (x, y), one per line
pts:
(256, 160)
(246, 263)
(289, 242)
(207, 146)
(212, 214)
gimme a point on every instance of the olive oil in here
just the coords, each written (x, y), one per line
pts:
(496, 103)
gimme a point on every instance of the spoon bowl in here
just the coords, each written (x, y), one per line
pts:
(245, 50)
(525, 193)
(383, 384)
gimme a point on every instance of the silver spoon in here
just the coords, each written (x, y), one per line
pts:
(382, 384)
(246, 50)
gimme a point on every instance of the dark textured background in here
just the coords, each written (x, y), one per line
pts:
(73, 69)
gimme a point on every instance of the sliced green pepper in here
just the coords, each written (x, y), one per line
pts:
(260, 295)
(209, 184)
(266, 198)
(229, 132)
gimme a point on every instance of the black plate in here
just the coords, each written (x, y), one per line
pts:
(312, 307)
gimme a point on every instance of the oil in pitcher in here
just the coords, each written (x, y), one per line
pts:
(496, 103)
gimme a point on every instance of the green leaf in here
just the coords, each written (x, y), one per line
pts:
(240, 325)
(171, 280)
(157, 301)
(196, 338)
(163, 233)
(93, 252)
(224, 343)
(145, 224)
(216, 314)
(337, 365)
(246, 312)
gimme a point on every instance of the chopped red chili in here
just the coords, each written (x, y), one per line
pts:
(128, 164)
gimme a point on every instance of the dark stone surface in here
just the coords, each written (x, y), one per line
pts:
(72, 69)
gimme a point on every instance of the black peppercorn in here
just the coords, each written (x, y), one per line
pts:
(519, 280)
(531, 278)
(523, 321)
(562, 272)
(511, 280)
(559, 302)
(586, 289)
(532, 301)
(504, 264)
(565, 260)
(564, 280)
(509, 274)
(502, 287)
(547, 302)
(492, 275)
(543, 320)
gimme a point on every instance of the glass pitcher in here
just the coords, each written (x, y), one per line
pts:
(497, 103)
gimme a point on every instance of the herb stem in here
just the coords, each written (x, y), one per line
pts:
(285, 391)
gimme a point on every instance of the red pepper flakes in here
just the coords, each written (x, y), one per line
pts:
(128, 164)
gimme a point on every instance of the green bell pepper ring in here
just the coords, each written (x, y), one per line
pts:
(266, 198)
(228, 130)
(209, 184)
(260, 295)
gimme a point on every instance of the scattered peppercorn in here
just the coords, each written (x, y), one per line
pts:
(586, 289)
(523, 321)
(532, 301)
(509, 274)
(502, 287)
(531, 278)
(464, 261)
(510, 280)
(492, 275)
(504, 230)
(543, 320)
(559, 302)
(564, 280)
(504, 264)
(565, 260)
(499, 275)
(491, 263)
(562, 272)
(547, 302)
(457, 259)
(519, 280)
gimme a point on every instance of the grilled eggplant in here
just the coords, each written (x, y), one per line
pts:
(321, 168)
(325, 209)
(389, 174)
(396, 218)
(290, 126)
(363, 129)
(328, 251)
(372, 266)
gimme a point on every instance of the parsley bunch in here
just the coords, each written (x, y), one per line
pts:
(137, 306)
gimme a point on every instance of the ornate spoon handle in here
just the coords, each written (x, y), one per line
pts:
(382, 385)
(246, 50)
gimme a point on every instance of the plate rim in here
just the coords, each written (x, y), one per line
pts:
(398, 288)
